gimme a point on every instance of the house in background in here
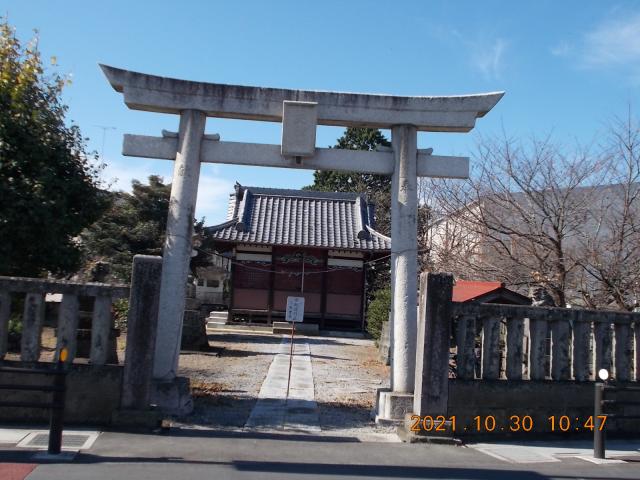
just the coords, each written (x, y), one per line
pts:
(210, 283)
(298, 243)
(487, 292)
(527, 238)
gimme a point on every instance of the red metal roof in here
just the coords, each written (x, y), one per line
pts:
(466, 290)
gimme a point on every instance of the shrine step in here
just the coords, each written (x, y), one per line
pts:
(239, 328)
(218, 317)
(302, 328)
(281, 327)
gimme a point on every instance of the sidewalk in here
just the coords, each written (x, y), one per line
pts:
(206, 454)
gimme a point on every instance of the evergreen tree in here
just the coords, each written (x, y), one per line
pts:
(377, 187)
(48, 185)
(135, 223)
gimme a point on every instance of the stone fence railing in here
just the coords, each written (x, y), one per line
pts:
(536, 343)
(519, 362)
(33, 315)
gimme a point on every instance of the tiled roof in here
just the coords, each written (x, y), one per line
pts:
(267, 216)
(467, 290)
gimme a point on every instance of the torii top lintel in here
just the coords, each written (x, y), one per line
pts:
(168, 95)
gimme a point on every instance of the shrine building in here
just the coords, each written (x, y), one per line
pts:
(298, 243)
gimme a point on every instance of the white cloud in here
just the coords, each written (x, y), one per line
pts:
(611, 46)
(213, 196)
(615, 42)
(483, 52)
(488, 58)
(118, 174)
(213, 190)
(561, 50)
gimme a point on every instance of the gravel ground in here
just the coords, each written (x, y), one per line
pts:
(227, 380)
(227, 377)
(346, 374)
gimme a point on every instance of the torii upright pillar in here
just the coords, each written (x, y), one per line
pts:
(177, 246)
(392, 404)
(404, 250)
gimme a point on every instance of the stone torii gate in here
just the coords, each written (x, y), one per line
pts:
(300, 112)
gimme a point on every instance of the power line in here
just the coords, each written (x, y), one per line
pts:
(288, 272)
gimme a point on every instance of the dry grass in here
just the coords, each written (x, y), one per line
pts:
(351, 402)
(200, 388)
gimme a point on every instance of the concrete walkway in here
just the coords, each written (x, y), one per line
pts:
(298, 413)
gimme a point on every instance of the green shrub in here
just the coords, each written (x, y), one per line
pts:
(378, 311)
(121, 312)
(15, 326)
(15, 333)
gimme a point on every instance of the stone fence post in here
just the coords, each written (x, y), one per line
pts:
(32, 320)
(431, 392)
(142, 325)
(5, 313)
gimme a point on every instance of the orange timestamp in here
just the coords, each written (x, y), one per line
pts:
(516, 423)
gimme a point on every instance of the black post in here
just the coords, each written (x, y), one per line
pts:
(57, 408)
(598, 431)
(293, 332)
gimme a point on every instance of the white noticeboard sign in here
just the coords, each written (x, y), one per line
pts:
(295, 309)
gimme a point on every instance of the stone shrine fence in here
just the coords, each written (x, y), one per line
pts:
(33, 315)
(98, 389)
(537, 343)
(509, 360)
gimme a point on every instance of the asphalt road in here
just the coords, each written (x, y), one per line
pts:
(202, 454)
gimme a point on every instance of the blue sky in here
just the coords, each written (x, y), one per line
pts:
(567, 67)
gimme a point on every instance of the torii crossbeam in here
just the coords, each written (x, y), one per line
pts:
(300, 112)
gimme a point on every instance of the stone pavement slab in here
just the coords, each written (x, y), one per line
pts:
(12, 436)
(555, 451)
(298, 412)
(32, 442)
